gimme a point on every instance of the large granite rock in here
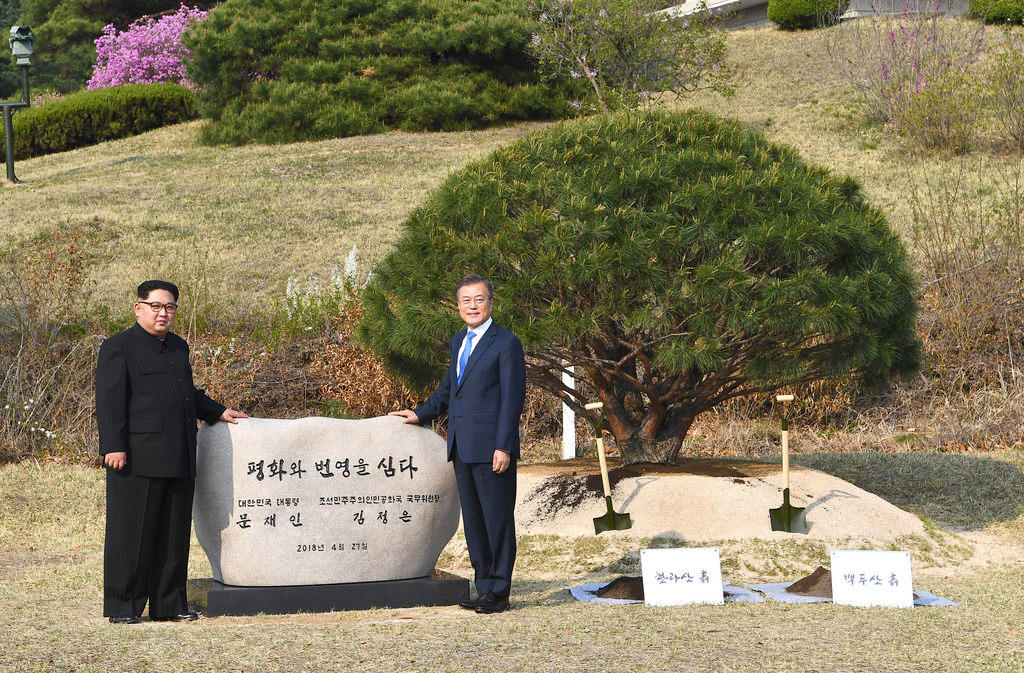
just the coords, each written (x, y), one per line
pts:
(322, 500)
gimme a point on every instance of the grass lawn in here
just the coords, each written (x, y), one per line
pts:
(51, 541)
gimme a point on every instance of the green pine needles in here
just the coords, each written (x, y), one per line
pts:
(799, 14)
(676, 259)
(283, 72)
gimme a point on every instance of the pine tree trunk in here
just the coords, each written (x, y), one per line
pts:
(659, 444)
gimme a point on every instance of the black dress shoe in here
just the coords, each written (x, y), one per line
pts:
(471, 604)
(125, 620)
(491, 604)
(189, 616)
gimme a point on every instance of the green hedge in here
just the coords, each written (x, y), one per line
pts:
(276, 72)
(997, 11)
(91, 117)
(798, 14)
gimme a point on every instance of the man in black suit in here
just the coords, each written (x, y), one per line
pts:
(147, 409)
(483, 392)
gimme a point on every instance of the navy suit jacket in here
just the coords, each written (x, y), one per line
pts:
(484, 410)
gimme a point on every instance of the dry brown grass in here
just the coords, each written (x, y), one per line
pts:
(242, 220)
(51, 535)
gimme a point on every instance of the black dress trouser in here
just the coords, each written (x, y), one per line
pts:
(145, 557)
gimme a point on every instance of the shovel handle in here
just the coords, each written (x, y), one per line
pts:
(604, 467)
(785, 459)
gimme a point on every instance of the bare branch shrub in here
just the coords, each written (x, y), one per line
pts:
(968, 229)
(1006, 86)
(889, 58)
(47, 352)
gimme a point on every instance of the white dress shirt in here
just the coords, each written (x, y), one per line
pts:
(479, 331)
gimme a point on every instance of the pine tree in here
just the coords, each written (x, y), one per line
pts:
(677, 260)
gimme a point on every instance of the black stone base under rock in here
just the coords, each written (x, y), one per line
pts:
(216, 599)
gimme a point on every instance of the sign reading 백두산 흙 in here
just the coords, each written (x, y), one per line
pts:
(322, 500)
(868, 578)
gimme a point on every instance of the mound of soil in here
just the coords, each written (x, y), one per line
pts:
(631, 588)
(701, 499)
(566, 489)
(817, 584)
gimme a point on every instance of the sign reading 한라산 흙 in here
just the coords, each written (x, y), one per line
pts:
(682, 576)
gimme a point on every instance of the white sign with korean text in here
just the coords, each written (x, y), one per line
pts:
(682, 576)
(872, 578)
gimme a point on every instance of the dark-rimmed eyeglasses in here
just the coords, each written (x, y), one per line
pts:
(156, 306)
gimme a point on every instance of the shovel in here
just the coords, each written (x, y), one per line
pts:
(787, 518)
(611, 520)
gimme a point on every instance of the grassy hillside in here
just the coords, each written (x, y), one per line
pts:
(234, 225)
(250, 218)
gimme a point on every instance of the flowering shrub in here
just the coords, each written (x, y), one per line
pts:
(892, 59)
(149, 51)
(628, 50)
(45, 96)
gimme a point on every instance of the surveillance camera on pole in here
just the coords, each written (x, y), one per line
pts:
(22, 44)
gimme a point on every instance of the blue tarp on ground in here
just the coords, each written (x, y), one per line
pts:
(777, 592)
(587, 593)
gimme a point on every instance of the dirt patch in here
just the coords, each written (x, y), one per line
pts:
(565, 492)
(571, 483)
(702, 467)
(818, 584)
(630, 588)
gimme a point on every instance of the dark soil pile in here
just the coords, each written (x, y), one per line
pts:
(818, 584)
(631, 588)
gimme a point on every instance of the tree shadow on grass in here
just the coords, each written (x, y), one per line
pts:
(963, 491)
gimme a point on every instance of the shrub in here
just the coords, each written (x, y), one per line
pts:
(676, 259)
(149, 51)
(889, 58)
(91, 117)
(627, 50)
(997, 11)
(47, 354)
(1005, 84)
(66, 32)
(942, 114)
(797, 14)
(273, 73)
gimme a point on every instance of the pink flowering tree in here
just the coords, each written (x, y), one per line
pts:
(149, 51)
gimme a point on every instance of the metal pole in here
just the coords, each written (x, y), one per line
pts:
(24, 84)
(9, 143)
(9, 126)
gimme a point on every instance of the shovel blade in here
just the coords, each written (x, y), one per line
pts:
(611, 520)
(788, 518)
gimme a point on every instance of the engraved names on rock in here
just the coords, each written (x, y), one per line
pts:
(322, 501)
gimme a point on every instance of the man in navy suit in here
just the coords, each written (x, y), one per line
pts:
(483, 392)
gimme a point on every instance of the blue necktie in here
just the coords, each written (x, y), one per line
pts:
(464, 358)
